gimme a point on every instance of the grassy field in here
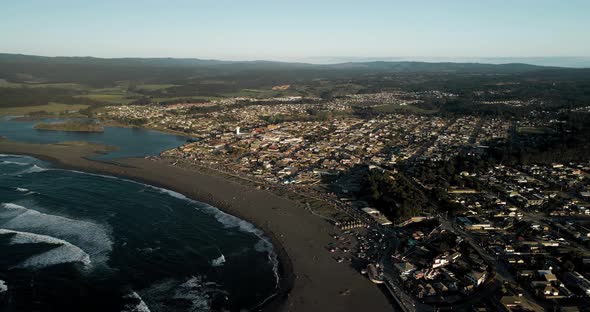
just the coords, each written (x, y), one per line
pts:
(49, 108)
(73, 86)
(154, 87)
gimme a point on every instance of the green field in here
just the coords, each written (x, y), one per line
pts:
(72, 86)
(154, 87)
(49, 108)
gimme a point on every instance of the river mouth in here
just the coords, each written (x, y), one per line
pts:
(128, 142)
(85, 242)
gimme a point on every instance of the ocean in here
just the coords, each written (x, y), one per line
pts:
(73, 241)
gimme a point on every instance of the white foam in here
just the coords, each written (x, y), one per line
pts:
(3, 286)
(94, 239)
(219, 261)
(197, 292)
(164, 295)
(34, 169)
(229, 221)
(20, 189)
(263, 245)
(8, 162)
(65, 253)
(226, 219)
(139, 307)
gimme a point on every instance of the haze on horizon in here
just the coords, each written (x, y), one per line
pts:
(304, 31)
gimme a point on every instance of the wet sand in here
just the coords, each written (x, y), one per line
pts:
(311, 280)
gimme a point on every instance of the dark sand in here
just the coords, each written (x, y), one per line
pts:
(310, 279)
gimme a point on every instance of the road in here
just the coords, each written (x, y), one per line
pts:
(502, 273)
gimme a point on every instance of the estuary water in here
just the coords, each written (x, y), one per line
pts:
(130, 142)
(73, 241)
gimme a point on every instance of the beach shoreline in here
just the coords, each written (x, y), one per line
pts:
(310, 280)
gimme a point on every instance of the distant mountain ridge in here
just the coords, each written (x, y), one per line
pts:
(101, 71)
(127, 61)
(558, 61)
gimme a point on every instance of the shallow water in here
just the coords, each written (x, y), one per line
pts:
(72, 241)
(130, 142)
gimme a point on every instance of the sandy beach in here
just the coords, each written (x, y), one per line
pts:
(310, 279)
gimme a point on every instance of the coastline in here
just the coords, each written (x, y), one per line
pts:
(310, 280)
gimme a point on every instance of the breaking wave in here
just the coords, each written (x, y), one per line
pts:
(229, 221)
(34, 169)
(263, 245)
(64, 253)
(94, 239)
(195, 291)
(14, 163)
(138, 306)
(89, 243)
(219, 261)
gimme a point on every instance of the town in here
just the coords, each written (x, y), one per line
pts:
(458, 231)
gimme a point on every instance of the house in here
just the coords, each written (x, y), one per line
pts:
(441, 288)
(404, 268)
(550, 291)
(430, 291)
(440, 262)
(476, 278)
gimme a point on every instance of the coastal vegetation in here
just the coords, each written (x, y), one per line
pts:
(71, 125)
(394, 195)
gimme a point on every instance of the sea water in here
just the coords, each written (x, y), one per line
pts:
(71, 241)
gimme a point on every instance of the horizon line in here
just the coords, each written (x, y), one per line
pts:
(335, 60)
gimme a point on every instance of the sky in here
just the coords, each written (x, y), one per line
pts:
(296, 30)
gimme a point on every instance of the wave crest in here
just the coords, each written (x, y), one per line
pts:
(218, 261)
(138, 306)
(94, 239)
(64, 253)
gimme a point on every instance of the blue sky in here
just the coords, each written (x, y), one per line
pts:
(296, 30)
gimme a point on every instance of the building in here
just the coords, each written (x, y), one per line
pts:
(576, 279)
(377, 216)
(404, 268)
(476, 278)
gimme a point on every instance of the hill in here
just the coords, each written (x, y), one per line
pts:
(102, 72)
(38, 81)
